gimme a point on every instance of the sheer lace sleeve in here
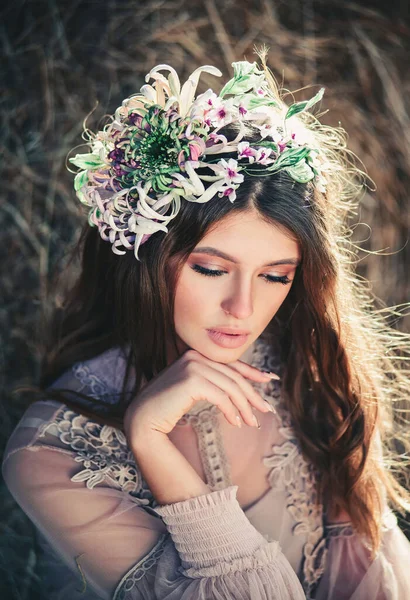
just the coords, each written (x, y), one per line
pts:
(80, 486)
(386, 578)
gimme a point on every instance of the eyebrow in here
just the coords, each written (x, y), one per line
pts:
(216, 252)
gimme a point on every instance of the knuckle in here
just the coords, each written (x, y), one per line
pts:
(191, 359)
(191, 355)
(222, 398)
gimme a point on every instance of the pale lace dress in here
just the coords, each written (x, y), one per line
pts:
(256, 535)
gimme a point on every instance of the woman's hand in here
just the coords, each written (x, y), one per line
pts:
(191, 378)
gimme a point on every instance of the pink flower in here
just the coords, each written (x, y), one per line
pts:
(221, 113)
(230, 170)
(262, 156)
(230, 192)
(196, 148)
(245, 151)
(242, 110)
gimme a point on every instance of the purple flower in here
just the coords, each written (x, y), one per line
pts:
(135, 119)
(116, 155)
(215, 138)
(119, 171)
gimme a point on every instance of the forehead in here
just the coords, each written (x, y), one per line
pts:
(251, 239)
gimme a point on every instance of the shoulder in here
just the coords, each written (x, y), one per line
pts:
(100, 377)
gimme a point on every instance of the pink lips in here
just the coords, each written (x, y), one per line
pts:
(227, 337)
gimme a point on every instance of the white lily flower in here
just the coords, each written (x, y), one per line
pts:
(270, 131)
(173, 79)
(189, 87)
(148, 226)
(222, 113)
(184, 96)
(150, 93)
(230, 146)
(230, 170)
(194, 179)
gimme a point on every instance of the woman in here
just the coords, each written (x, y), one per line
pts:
(217, 389)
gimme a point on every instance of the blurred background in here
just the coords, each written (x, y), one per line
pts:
(59, 57)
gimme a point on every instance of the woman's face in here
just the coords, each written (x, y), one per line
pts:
(236, 277)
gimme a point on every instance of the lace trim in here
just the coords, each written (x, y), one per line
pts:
(389, 521)
(97, 388)
(335, 531)
(139, 570)
(290, 471)
(103, 452)
(211, 446)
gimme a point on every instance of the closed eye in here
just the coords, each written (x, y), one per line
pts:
(284, 279)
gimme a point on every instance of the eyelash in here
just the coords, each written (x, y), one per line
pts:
(284, 279)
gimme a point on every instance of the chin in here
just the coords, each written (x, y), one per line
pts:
(208, 348)
(219, 354)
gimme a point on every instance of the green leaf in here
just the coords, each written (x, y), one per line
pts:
(243, 68)
(291, 156)
(257, 101)
(298, 107)
(90, 222)
(246, 76)
(301, 172)
(87, 161)
(160, 185)
(266, 144)
(80, 179)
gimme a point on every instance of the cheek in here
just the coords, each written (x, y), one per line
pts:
(271, 301)
(191, 300)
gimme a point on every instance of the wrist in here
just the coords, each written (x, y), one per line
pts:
(166, 471)
(141, 436)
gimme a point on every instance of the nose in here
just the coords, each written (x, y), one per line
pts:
(239, 300)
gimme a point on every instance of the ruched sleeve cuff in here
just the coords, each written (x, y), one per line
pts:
(211, 529)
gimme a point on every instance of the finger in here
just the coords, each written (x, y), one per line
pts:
(252, 372)
(252, 395)
(232, 389)
(215, 395)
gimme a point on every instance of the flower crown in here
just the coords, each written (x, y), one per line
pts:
(146, 159)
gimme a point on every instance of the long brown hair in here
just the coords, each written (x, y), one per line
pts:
(342, 371)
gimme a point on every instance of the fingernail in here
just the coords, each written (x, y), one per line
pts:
(255, 420)
(271, 408)
(239, 422)
(271, 375)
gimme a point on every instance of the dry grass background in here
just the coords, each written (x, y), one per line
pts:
(59, 57)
